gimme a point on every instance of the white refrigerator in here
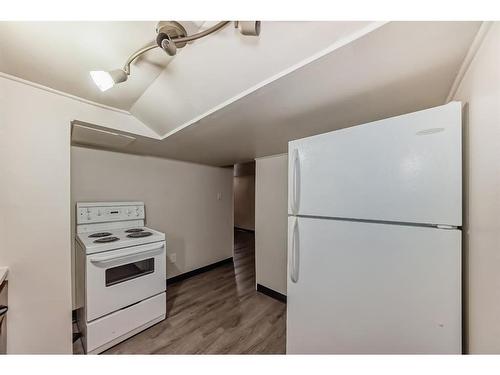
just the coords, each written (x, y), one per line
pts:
(374, 239)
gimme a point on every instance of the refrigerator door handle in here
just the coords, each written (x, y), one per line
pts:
(294, 274)
(295, 182)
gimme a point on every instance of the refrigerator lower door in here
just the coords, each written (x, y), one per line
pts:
(369, 288)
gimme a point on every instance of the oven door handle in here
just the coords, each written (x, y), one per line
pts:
(106, 261)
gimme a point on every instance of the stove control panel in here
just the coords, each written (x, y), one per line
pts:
(87, 213)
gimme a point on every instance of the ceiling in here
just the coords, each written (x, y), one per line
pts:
(217, 69)
(397, 68)
(228, 98)
(63, 53)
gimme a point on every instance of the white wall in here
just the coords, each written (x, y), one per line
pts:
(480, 91)
(180, 198)
(271, 192)
(35, 210)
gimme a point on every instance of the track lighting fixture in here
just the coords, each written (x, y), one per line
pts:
(166, 44)
(170, 36)
(251, 28)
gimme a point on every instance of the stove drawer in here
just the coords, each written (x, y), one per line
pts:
(118, 278)
(107, 331)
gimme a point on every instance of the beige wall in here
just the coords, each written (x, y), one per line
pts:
(271, 222)
(480, 91)
(181, 200)
(35, 210)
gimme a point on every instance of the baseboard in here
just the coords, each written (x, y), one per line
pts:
(245, 230)
(271, 293)
(186, 275)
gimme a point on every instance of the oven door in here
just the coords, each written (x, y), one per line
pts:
(119, 278)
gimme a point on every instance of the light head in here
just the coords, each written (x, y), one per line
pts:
(105, 80)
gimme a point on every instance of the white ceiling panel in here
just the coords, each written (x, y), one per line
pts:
(401, 67)
(60, 55)
(228, 98)
(214, 70)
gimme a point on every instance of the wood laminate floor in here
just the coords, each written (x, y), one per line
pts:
(217, 312)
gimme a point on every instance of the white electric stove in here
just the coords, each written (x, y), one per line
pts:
(120, 273)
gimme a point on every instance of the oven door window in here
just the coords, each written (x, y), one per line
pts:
(129, 271)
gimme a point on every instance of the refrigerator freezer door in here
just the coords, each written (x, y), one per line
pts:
(368, 288)
(403, 169)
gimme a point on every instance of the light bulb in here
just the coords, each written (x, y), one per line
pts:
(102, 79)
(106, 80)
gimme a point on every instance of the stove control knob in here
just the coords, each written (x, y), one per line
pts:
(137, 211)
(98, 212)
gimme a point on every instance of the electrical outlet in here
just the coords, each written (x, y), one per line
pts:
(219, 196)
(172, 257)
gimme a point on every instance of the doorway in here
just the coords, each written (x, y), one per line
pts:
(244, 196)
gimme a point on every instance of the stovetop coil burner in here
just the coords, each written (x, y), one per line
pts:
(100, 234)
(106, 239)
(139, 234)
(134, 230)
